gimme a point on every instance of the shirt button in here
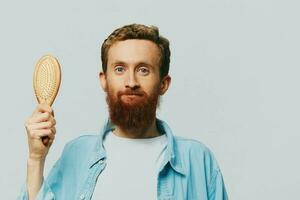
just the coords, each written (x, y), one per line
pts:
(101, 161)
(82, 197)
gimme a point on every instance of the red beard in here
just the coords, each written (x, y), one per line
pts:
(135, 113)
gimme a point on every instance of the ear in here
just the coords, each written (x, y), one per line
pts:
(102, 78)
(164, 84)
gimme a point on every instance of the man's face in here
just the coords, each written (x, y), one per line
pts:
(133, 84)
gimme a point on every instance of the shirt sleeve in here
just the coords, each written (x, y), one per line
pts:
(44, 193)
(217, 189)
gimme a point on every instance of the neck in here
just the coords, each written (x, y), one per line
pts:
(147, 132)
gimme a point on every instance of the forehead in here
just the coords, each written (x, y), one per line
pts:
(134, 51)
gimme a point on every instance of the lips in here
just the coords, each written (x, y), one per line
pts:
(131, 96)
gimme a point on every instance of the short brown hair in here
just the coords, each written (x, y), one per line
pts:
(138, 31)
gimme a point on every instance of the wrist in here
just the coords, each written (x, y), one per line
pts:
(32, 160)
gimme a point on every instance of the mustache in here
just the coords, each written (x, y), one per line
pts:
(131, 92)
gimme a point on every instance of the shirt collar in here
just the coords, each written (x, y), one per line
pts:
(172, 155)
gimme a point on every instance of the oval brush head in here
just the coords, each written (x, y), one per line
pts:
(46, 79)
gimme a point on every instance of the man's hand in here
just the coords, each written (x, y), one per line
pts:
(41, 131)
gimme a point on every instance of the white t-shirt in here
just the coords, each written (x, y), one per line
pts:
(131, 170)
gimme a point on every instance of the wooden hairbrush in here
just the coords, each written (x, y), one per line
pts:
(46, 82)
(46, 79)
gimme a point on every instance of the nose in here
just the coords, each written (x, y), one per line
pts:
(132, 82)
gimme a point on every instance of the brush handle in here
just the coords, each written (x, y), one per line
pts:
(46, 139)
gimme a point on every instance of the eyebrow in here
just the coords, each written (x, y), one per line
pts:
(118, 63)
(137, 64)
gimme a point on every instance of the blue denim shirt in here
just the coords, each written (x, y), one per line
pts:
(189, 170)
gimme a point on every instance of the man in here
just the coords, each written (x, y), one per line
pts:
(136, 156)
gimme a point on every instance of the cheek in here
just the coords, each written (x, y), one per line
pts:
(111, 88)
(151, 87)
(114, 83)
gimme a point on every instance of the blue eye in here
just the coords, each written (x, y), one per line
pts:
(119, 69)
(143, 70)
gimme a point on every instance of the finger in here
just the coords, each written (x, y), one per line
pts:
(41, 108)
(50, 142)
(42, 134)
(53, 130)
(42, 117)
(41, 125)
(39, 117)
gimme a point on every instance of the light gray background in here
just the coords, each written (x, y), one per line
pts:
(235, 86)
